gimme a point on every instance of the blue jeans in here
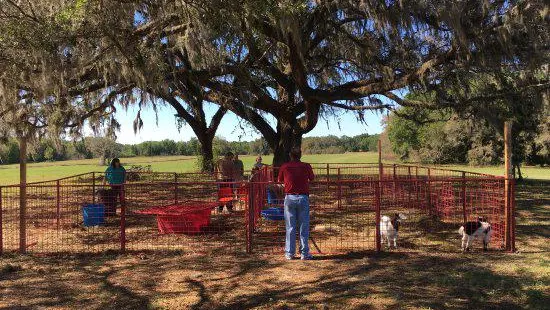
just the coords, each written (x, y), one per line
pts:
(297, 210)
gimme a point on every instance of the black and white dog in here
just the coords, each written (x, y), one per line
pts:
(472, 230)
(389, 228)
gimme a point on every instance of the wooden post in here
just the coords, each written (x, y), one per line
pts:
(394, 182)
(377, 216)
(58, 202)
(380, 168)
(513, 216)
(251, 223)
(23, 195)
(93, 187)
(328, 177)
(339, 191)
(429, 190)
(508, 214)
(409, 185)
(463, 196)
(175, 188)
(377, 194)
(1, 237)
(417, 187)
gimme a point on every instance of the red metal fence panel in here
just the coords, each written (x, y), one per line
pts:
(346, 202)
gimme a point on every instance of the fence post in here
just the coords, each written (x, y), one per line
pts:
(429, 189)
(377, 194)
(377, 224)
(1, 221)
(408, 185)
(250, 214)
(57, 202)
(463, 194)
(175, 188)
(339, 190)
(93, 187)
(380, 166)
(123, 226)
(417, 187)
(394, 182)
(513, 216)
(508, 187)
(23, 196)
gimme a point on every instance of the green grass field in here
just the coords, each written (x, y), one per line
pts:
(9, 174)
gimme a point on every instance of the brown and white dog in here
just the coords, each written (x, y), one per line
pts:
(475, 229)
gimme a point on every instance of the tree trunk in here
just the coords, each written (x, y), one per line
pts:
(207, 153)
(287, 138)
(22, 195)
(519, 175)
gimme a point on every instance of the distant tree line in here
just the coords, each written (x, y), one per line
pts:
(105, 148)
(442, 137)
(474, 134)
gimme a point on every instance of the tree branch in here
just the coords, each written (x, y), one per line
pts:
(245, 113)
(107, 102)
(359, 107)
(216, 119)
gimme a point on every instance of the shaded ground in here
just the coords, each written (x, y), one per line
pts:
(396, 280)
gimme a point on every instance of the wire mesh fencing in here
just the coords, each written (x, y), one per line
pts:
(196, 214)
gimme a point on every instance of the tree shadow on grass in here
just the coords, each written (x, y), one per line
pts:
(359, 280)
(405, 280)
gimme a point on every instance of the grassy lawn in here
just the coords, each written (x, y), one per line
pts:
(390, 280)
(529, 172)
(9, 174)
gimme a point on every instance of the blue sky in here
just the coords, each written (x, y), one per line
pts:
(231, 127)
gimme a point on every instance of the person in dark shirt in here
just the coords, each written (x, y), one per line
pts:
(258, 165)
(238, 168)
(296, 176)
(225, 173)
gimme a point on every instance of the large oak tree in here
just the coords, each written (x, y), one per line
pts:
(49, 84)
(298, 60)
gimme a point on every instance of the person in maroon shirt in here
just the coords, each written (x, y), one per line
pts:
(296, 176)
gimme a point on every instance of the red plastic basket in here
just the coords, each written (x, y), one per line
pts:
(186, 218)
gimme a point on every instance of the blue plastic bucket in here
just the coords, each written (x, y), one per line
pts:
(273, 214)
(93, 214)
(272, 199)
